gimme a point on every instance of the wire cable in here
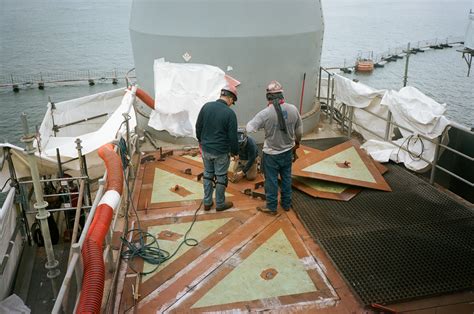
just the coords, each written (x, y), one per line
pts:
(6, 182)
(143, 244)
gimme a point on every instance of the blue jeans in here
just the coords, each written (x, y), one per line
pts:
(274, 165)
(215, 165)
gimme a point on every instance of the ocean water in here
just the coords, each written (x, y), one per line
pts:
(71, 35)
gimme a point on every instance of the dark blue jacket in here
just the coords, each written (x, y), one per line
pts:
(216, 128)
(249, 153)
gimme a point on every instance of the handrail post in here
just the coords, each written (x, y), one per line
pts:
(331, 78)
(351, 117)
(327, 98)
(109, 257)
(84, 173)
(319, 84)
(52, 263)
(79, 268)
(127, 118)
(435, 161)
(343, 122)
(389, 126)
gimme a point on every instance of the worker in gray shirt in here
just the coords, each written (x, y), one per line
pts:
(283, 130)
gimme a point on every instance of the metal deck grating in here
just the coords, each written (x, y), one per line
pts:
(394, 246)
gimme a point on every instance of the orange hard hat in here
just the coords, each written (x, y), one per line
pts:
(274, 87)
(229, 90)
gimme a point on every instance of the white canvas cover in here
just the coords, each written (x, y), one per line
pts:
(181, 89)
(7, 227)
(94, 132)
(415, 111)
(46, 165)
(355, 94)
(359, 95)
(469, 37)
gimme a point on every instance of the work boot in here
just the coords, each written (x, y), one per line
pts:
(208, 207)
(227, 205)
(267, 211)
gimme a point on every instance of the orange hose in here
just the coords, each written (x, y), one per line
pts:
(113, 164)
(147, 99)
(92, 254)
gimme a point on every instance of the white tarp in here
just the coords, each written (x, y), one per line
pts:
(359, 95)
(414, 110)
(469, 37)
(422, 115)
(353, 93)
(7, 228)
(46, 165)
(181, 89)
(102, 115)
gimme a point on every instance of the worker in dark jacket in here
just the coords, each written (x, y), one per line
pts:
(216, 131)
(245, 165)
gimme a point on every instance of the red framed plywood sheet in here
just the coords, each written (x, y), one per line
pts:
(345, 163)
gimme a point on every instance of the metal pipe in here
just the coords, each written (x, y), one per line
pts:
(77, 217)
(327, 99)
(351, 118)
(62, 209)
(455, 176)
(23, 203)
(82, 120)
(319, 83)
(331, 79)
(40, 205)
(389, 126)
(405, 77)
(7, 206)
(127, 118)
(65, 287)
(83, 166)
(435, 161)
(55, 179)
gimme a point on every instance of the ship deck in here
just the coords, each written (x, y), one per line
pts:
(242, 260)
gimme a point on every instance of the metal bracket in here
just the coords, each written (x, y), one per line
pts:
(259, 195)
(199, 176)
(259, 184)
(164, 155)
(148, 158)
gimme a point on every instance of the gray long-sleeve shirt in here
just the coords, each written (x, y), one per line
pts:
(277, 141)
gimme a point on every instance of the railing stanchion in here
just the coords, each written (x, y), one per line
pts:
(351, 117)
(388, 126)
(435, 160)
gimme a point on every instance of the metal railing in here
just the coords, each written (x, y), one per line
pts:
(346, 120)
(75, 269)
(7, 206)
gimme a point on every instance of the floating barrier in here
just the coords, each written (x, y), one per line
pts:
(42, 79)
(392, 55)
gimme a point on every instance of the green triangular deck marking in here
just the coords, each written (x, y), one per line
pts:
(357, 171)
(200, 231)
(164, 181)
(244, 282)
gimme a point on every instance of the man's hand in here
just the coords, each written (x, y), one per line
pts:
(295, 155)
